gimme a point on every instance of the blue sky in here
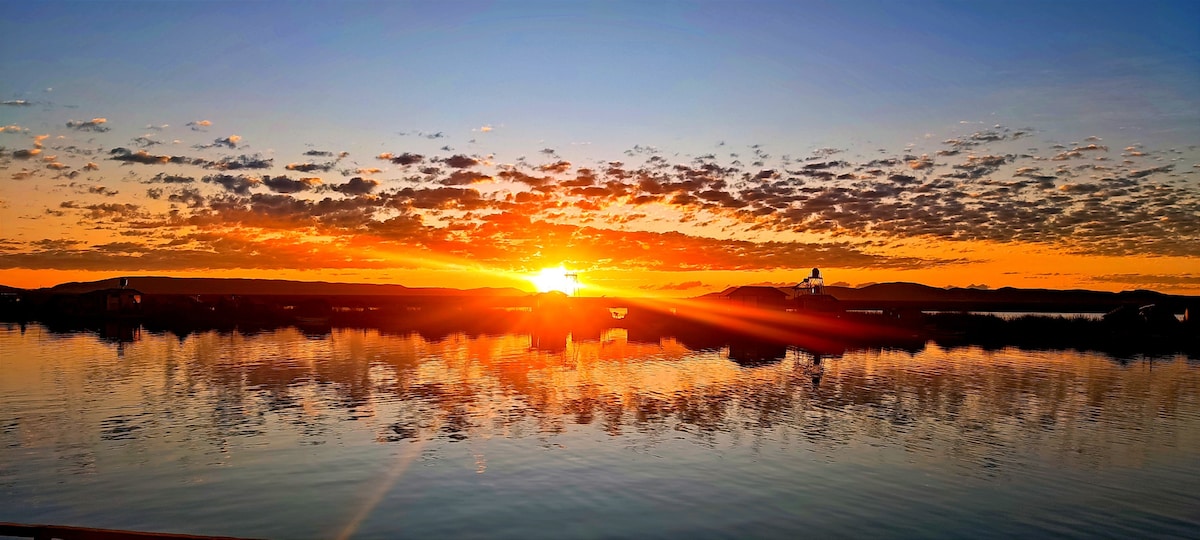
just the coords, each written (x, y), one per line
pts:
(677, 75)
(751, 84)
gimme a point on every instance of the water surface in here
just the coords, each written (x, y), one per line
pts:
(357, 433)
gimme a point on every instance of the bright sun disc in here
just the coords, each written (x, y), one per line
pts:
(555, 279)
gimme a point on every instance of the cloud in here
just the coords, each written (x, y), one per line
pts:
(14, 129)
(239, 185)
(94, 125)
(684, 286)
(921, 163)
(199, 125)
(460, 161)
(145, 158)
(357, 186)
(164, 178)
(144, 141)
(102, 190)
(557, 167)
(16, 103)
(283, 184)
(462, 178)
(310, 167)
(977, 189)
(1150, 279)
(423, 134)
(236, 163)
(402, 159)
(1147, 172)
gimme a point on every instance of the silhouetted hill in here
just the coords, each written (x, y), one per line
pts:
(915, 295)
(7, 289)
(238, 286)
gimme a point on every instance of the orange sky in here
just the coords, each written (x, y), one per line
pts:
(224, 153)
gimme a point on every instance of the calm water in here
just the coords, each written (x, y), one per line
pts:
(367, 435)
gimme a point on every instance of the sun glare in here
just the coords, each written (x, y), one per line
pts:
(556, 279)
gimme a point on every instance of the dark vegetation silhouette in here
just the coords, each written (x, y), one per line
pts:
(756, 323)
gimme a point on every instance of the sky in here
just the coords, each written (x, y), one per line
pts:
(655, 148)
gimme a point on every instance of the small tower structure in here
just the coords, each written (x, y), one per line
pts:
(810, 296)
(812, 285)
(573, 278)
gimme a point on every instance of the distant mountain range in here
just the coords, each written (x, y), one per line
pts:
(901, 295)
(239, 286)
(877, 296)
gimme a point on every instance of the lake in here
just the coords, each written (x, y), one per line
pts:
(354, 433)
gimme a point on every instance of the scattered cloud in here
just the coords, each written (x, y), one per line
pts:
(239, 185)
(357, 186)
(402, 159)
(94, 125)
(460, 161)
(974, 187)
(283, 184)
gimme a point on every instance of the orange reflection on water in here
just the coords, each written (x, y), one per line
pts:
(1068, 406)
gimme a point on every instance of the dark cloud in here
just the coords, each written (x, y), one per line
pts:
(460, 161)
(557, 167)
(357, 186)
(228, 142)
(239, 185)
(144, 141)
(94, 125)
(684, 286)
(236, 163)
(283, 184)
(402, 159)
(310, 167)
(188, 196)
(1147, 172)
(145, 158)
(464, 177)
(164, 178)
(1150, 279)
(1134, 206)
(16, 103)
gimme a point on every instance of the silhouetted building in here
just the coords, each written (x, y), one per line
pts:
(809, 295)
(120, 302)
(812, 285)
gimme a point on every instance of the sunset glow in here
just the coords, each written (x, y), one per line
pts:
(556, 279)
(731, 146)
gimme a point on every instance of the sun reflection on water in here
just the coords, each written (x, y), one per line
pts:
(368, 405)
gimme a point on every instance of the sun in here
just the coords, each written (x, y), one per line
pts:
(556, 279)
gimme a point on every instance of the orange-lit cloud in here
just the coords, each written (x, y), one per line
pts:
(748, 210)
